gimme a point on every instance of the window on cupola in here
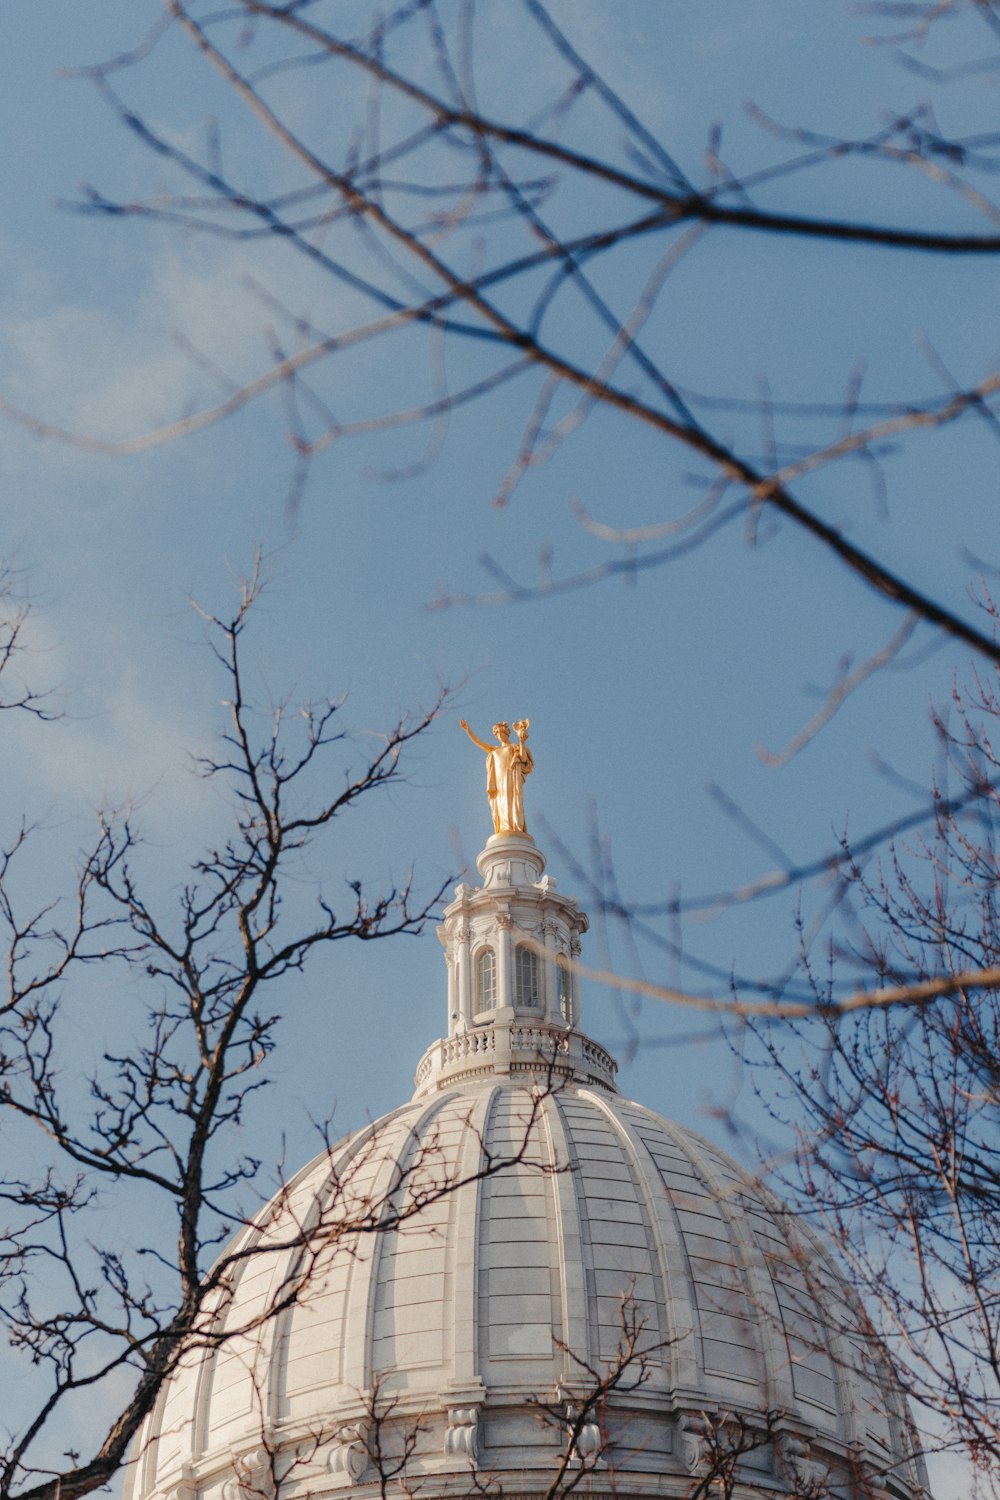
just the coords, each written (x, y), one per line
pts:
(526, 978)
(486, 980)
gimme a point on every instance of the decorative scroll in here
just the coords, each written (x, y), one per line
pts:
(694, 1448)
(349, 1455)
(588, 1445)
(253, 1479)
(184, 1490)
(797, 1464)
(461, 1439)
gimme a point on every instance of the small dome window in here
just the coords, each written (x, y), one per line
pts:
(486, 980)
(526, 978)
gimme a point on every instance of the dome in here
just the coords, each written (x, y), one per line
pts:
(520, 1274)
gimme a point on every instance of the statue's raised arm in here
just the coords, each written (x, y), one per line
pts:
(506, 767)
(475, 738)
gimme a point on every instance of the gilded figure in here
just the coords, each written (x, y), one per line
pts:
(507, 765)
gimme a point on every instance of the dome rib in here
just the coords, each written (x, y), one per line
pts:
(571, 1245)
(349, 1172)
(464, 1251)
(681, 1358)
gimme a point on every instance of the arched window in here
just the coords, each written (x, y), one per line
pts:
(486, 980)
(526, 978)
(564, 991)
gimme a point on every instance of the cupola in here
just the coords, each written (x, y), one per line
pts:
(510, 947)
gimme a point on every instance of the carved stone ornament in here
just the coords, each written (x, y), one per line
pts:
(461, 1438)
(349, 1455)
(796, 1463)
(464, 934)
(185, 1489)
(253, 1479)
(505, 920)
(873, 1480)
(588, 1443)
(694, 1449)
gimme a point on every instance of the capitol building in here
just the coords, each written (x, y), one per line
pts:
(520, 1284)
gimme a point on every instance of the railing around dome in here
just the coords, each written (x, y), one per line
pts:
(424, 1068)
(597, 1058)
(513, 1046)
(469, 1044)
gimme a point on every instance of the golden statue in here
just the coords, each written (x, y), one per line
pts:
(506, 767)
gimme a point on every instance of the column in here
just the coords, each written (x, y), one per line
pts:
(550, 979)
(505, 996)
(574, 980)
(454, 1014)
(464, 936)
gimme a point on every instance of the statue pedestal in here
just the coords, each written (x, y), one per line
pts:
(511, 859)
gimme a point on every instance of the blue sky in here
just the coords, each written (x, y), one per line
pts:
(642, 695)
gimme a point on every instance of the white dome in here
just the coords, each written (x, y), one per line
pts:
(465, 1334)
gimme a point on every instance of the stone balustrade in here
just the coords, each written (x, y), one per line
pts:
(515, 1046)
